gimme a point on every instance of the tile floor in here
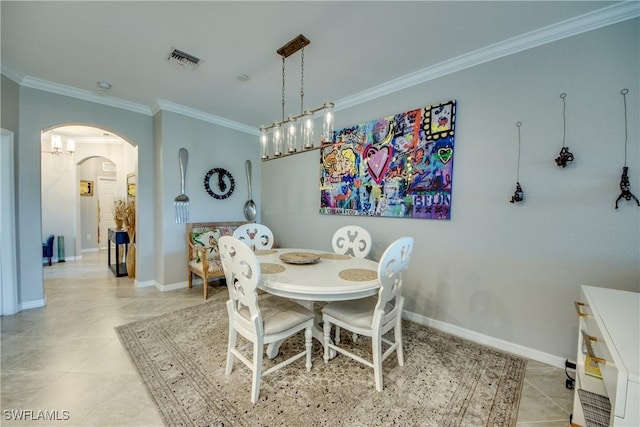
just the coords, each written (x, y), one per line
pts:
(65, 358)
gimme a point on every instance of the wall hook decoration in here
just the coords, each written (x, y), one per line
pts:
(518, 195)
(565, 156)
(625, 184)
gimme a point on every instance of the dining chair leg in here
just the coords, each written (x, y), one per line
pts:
(258, 349)
(308, 335)
(376, 344)
(232, 344)
(336, 340)
(398, 340)
(327, 339)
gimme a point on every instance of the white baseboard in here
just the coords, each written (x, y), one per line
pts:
(32, 304)
(503, 345)
(144, 284)
(171, 286)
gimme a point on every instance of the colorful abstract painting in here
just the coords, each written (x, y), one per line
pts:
(397, 166)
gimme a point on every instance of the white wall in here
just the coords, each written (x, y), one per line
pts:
(507, 271)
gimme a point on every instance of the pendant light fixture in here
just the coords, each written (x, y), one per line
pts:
(56, 145)
(295, 133)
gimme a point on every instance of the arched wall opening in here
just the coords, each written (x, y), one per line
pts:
(74, 203)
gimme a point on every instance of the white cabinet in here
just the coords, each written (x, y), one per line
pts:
(609, 333)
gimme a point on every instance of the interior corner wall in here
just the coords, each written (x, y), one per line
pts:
(39, 110)
(508, 271)
(209, 146)
(9, 93)
(158, 270)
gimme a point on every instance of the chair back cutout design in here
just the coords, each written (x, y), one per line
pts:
(242, 272)
(393, 263)
(256, 236)
(352, 240)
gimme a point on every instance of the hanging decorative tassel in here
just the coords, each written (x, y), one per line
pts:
(565, 156)
(625, 184)
(518, 195)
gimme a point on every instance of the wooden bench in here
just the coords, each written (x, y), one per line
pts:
(203, 258)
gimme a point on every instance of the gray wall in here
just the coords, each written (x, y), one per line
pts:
(502, 270)
(43, 110)
(209, 146)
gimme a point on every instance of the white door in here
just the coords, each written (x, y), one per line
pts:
(107, 194)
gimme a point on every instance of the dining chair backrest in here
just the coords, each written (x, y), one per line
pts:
(242, 272)
(393, 263)
(352, 240)
(256, 236)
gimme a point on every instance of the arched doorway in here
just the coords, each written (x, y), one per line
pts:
(71, 173)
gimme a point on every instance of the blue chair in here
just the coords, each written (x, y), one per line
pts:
(47, 248)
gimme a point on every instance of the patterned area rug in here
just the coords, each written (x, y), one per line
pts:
(446, 380)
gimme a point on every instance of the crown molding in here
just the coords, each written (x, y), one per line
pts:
(570, 27)
(61, 89)
(162, 104)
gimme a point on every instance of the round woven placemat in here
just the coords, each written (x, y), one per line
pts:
(265, 251)
(358, 274)
(334, 256)
(271, 268)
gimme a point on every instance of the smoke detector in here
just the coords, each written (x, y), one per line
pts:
(103, 87)
(183, 58)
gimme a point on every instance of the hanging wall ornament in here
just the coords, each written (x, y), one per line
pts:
(518, 195)
(565, 156)
(625, 184)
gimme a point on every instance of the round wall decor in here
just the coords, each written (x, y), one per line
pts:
(223, 186)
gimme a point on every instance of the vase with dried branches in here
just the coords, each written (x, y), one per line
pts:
(130, 225)
(119, 212)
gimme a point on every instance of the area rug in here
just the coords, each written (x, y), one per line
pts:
(445, 381)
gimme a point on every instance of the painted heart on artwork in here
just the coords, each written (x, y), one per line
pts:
(445, 154)
(378, 160)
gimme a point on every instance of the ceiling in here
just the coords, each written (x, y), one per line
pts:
(355, 47)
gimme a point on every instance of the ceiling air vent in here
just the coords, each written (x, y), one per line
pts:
(183, 58)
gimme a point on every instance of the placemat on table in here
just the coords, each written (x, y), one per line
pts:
(265, 251)
(358, 274)
(271, 268)
(329, 255)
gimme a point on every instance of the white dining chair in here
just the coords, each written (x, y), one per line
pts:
(260, 320)
(352, 240)
(256, 236)
(374, 316)
(355, 241)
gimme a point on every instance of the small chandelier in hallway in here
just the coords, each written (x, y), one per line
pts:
(56, 145)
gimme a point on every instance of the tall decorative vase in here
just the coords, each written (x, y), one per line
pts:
(131, 257)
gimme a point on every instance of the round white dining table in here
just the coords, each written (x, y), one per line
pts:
(315, 276)
(333, 277)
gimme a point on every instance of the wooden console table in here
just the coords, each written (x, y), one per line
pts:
(118, 237)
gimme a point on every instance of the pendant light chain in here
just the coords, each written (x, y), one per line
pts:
(624, 93)
(283, 88)
(302, 82)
